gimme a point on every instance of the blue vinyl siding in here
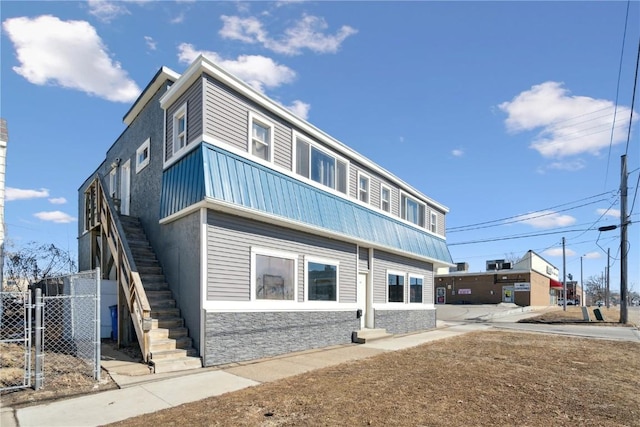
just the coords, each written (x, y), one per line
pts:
(217, 174)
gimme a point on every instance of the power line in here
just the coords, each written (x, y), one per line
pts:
(516, 236)
(633, 99)
(501, 221)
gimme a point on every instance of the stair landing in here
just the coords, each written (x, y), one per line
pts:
(367, 335)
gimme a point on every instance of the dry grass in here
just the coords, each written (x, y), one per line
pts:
(479, 379)
(573, 314)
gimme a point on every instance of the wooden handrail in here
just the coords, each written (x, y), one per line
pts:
(105, 216)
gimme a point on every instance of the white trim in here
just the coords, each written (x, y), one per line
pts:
(396, 306)
(203, 64)
(386, 284)
(284, 306)
(142, 164)
(320, 260)
(204, 278)
(253, 117)
(360, 175)
(149, 92)
(415, 276)
(177, 115)
(424, 208)
(113, 181)
(382, 188)
(275, 254)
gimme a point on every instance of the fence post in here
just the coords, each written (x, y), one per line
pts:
(97, 326)
(39, 331)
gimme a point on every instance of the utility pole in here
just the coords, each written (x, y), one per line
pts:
(624, 245)
(606, 292)
(582, 301)
(564, 278)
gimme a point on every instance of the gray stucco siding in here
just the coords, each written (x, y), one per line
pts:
(229, 243)
(405, 321)
(192, 97)
(236, 337)
(384, 261)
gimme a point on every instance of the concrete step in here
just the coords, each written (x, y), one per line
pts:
(367, 335)
(166, 333)
(169, 344)
(172, 354)
(175, 365)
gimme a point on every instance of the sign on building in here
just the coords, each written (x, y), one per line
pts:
(525, 286)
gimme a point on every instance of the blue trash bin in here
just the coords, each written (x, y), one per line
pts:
(114, 322)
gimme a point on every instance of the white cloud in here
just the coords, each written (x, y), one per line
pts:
(546, 219)
(457, 152)
(299, 108)
(179, 19)
(609, 212)
(58, 201)
(151, 43)
(307, 33)
(22, 194)
(593, 255)
(571, 166)
(568, 125)
(257, 71)
(55, 216)
(557, 252)
(106, 11)
(69, 54)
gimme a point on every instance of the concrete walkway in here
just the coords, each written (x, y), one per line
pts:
(142, 393)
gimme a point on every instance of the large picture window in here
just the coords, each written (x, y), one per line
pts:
(274, 276)
(412, 210)
(320, 166)
(322, 280)
(415, 288)
(395, 283)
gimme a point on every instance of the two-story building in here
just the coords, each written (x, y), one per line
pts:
(236, 230)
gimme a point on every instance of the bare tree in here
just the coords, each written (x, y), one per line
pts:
(35, 261)
(595, 288)
(512, 258)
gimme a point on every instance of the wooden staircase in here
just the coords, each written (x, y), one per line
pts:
(170, 347)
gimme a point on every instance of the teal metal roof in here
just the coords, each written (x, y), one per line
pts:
(212, 172)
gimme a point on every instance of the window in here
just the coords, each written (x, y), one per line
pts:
(385, 198)
(433, 226)
(260, 138)
(412, 210)
(142, 155)
(363, 188)
(322, 280)
(320, 166)
(415, 288)
(396, 287)
(113, 179)
(273, 275)
(180, 129)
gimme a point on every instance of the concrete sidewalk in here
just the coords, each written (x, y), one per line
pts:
(141, 394)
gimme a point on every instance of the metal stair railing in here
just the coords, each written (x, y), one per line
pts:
(103, 213)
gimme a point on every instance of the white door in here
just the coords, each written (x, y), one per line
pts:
(362, 298)
(125, 187)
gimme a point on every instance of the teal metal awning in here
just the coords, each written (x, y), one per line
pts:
(209, 172)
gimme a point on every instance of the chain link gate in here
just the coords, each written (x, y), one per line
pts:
(15, 340)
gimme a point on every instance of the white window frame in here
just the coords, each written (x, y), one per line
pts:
(382, 188)
(143, 164)
(415, 276)
(113, 181)
(386, 284)
(433, 222)
(277, 254)
(403, 209)
(179, 114)
(366, 191)
(270, 145)
(313, 144)
(307, 260)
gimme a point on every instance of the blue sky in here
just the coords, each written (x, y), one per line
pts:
(501, 111)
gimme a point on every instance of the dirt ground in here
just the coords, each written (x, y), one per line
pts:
(479, 379)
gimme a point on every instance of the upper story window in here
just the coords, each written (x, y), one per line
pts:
(412, 210)
(180, 129)
(320, 166)
(363, 187)
(433, 223)
(113, 181)
(385, 198)
(260, 138)
(142, 155)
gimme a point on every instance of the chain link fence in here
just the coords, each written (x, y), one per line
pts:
(15, 340)
(60, 316)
